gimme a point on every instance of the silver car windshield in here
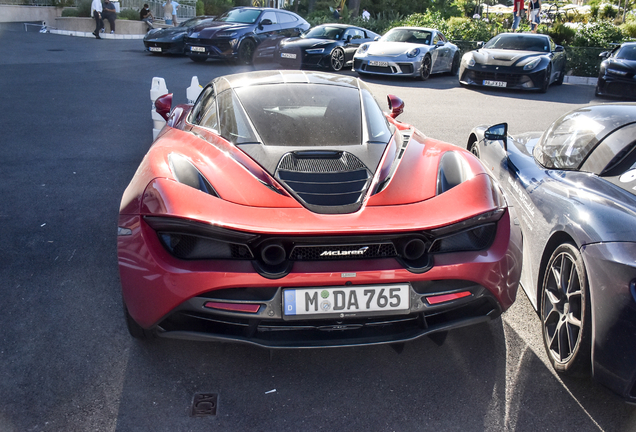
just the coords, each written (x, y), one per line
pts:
(407, 35)
(568, 141)
(304, 114)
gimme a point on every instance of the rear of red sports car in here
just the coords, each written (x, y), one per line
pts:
(286, 210)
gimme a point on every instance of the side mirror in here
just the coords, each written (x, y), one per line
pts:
(348, 38)
(396, 105)
(440, 43)
(480, 44)
(266, 21)
(498, 132)
(377, 38)
(559, 48)
(163, 105)
(604, 54)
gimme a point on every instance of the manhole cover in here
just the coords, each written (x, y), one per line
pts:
(204, 404)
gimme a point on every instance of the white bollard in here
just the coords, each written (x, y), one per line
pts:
(157, 88)
(193, 92)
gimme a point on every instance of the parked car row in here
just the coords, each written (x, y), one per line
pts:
(522, 61)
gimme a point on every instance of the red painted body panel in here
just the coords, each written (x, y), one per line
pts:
(169, 198)
(154, 282)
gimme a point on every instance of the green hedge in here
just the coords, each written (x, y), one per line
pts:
(584, 61)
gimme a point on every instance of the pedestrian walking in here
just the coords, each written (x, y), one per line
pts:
(96, 12)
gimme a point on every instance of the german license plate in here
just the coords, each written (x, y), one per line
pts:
(346, 301)
(197, 49)
(288, 55)
(378, 63)
(155, 49)
(495, 83)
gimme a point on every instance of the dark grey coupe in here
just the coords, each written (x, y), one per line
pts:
(170, 40)
(574, 188)
(518, 61)
(617, 72)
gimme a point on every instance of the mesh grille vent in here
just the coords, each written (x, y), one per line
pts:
(346, 162)
(331, 182)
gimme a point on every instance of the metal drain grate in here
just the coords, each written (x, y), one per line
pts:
(204, 404)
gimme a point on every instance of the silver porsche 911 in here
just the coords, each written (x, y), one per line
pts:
(408, 51)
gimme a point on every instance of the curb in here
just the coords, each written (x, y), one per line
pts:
(570, 79)
(91, 35)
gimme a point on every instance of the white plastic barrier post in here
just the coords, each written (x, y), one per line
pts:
(193, 92)
(157, 88)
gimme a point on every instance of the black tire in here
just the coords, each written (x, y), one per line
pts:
(474, 149)
(337, 59)
(135, 330)
(198, 59)
(546, 81)
(425, 71)
(246, 51)
(455, 66)
(565, 312)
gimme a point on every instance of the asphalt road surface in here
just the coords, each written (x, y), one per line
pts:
(75, 123)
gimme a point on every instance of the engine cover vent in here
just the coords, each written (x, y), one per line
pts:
(329, 182)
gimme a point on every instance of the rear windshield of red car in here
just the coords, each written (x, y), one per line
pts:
(304, 114)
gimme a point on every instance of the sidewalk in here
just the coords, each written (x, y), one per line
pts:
(570, 79)
(91, 35)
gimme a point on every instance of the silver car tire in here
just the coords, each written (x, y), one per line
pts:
(565, 312)
(427, 65)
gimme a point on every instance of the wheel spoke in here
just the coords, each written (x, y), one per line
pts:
(573, 320)
(564, 341)
(573, 336)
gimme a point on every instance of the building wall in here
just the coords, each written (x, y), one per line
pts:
(16, 13)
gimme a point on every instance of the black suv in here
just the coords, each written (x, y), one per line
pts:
(242, 34)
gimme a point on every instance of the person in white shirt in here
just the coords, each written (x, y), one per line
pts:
(96, 12)
(175, 6)
(365, 15)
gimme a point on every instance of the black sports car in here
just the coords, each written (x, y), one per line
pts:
(170, 40)
(574, 189)
(329, 46)
(617, 72)
(242, 34)
(518, 61)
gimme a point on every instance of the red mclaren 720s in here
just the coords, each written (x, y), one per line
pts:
(285, 209)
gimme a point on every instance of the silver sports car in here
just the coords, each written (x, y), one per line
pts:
(408, 51)
(574, 188)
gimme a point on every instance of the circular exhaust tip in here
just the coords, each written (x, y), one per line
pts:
(273, 254)
(414, 249)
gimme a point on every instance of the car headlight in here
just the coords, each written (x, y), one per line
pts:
(227, 34)
(532, 64)
(468, 59)
(315, 51)
(616, 72)
(413, 53)
(363, 48)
